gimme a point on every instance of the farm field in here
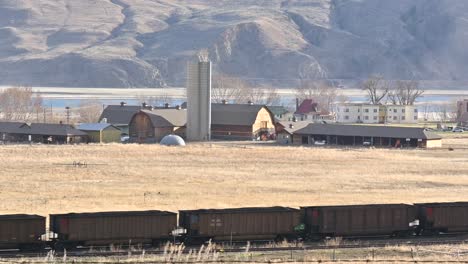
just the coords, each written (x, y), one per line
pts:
(42, 179)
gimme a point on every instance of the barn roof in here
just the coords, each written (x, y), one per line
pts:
(367, 131)
(307, 106)
(291, 126)
(94, 126)
(167, 117)
(52, 130)
(11, 127)
(278, 109)
(119, 115)
(235, 114)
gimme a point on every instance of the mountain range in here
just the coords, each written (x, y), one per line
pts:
(147, 43)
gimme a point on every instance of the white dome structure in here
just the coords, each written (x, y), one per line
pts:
(172, 140)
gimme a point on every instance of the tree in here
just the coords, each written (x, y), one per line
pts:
(321, 92)
(228, 88)
(376, 88)
(89, 111)
(20, 104)
(405, 93)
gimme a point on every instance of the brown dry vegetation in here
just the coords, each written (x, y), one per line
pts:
(39, 179)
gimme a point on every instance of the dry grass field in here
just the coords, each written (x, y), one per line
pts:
(41, 179)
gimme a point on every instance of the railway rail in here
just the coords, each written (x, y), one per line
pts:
(360, 243)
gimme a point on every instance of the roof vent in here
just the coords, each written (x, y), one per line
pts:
(151, 108)
(224, 102)
(166, 105)
(123, 104)
(178, 107)
(291, 126)
(250, 102)
(144, 105)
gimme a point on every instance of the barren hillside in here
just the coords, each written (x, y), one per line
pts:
(145, 43)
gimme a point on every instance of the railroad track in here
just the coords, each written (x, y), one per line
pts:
(345, 244)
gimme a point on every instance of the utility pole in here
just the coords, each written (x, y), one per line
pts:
(68, 114)
(44, 114)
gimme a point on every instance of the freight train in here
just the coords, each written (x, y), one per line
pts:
(235, 224)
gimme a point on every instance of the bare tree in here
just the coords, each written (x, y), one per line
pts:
(376, 88)
(272, 96)
(20, 104)
(405, 93)
(89, 111)
(321, 92)
(228, 88)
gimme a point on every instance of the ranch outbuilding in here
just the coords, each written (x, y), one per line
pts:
(361, 135)
(241, 121)
(150, 126)
(100, 132)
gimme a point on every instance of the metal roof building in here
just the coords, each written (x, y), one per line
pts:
(355, 135)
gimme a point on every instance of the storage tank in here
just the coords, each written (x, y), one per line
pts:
(199, 100)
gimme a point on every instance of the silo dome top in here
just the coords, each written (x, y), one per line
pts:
(172, 140)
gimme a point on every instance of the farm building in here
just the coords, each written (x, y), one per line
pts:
(41, 133)
(101, 132)
(285, 130)
(119, 116)
(12, 132)
(280, 112)
(309, 110)
(359, 135)
(148, 126)
(241, 121)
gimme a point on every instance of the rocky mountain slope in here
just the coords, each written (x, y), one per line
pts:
(146, 43)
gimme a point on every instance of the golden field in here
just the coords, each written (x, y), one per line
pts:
(41, 179)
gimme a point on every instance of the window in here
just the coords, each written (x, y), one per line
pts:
(346, 117)
(394, 118)
(394, 110)
(402, 118)
(366, 110)
(415, 117)
(359, 110)
(264, 124)
(347, 110)
(402, 110)
(375, 118)
(359, 117)
(375, 111)
(366, 118)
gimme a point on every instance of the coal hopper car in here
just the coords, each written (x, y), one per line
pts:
(358, 220)
(105, 228)
(443, 217)
(22, 231)
(239, 224)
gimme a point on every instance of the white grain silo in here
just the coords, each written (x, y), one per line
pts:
(199, 100)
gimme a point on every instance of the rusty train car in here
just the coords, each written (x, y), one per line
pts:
(258, 223)
(22, 231)
(85, 229)
(234, 224)
(358, 220)
(442, 217)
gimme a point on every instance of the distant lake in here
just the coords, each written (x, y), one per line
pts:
(61, 97)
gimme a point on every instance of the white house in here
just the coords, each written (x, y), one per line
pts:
(375, 114)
